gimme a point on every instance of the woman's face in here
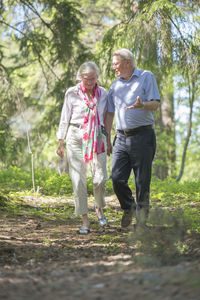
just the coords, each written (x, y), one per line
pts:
(89, 80)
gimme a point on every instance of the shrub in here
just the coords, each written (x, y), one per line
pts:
(49, 181)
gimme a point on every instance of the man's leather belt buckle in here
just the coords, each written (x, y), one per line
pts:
(132, 131)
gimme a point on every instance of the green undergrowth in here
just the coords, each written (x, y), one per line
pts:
(178, 198)
(173, 225)
(166, 195)
(46, 181)
(15, 204)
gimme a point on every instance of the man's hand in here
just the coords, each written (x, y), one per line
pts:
(61, 150)
(109, 147)
(108, 125)
(137, 104)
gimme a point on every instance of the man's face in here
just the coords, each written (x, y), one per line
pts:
(120, 66)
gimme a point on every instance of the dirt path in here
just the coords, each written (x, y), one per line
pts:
(43, 257)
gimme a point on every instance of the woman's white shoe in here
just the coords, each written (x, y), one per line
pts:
(101, 219)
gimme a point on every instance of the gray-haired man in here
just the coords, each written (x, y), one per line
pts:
(132, 99)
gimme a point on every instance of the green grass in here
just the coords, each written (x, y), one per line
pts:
(168, 194)
(174, 216)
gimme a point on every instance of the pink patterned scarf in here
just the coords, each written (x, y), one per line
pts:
(92, 133)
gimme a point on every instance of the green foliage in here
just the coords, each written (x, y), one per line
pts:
(3, 199)
(173, 219)
(56, 185)
(49, 182)
(169, 186)
(171, 51)
(64, 29)
(191, 172)
(15, 179)
(167, 194)
(174, 215)
(39, 59)
(183, 196)
(150, 8)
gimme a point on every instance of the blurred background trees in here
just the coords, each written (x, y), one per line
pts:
(42, 45)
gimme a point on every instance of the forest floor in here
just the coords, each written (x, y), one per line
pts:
(43, 257)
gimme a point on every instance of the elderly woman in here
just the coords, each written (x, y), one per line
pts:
(82, 123)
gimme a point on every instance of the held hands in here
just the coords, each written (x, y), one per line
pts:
(137, 104)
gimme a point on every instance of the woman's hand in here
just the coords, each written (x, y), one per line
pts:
(61, 150)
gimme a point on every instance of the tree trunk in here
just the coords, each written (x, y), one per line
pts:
(166, 155)
(189, 130)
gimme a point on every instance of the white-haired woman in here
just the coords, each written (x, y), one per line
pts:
(82, 123)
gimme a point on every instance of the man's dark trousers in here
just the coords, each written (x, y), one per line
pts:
(134, 152)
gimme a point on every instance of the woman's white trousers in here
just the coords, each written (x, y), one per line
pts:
(78, 171)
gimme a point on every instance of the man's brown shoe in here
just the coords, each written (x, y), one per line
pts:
(127, 216)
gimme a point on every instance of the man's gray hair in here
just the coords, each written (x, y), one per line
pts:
(87, 67)
(125, 54)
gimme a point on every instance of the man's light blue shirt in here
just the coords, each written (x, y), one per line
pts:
(124, 93)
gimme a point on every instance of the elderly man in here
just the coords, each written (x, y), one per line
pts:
(133, 98)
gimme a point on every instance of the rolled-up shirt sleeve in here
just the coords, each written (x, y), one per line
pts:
(65, 118)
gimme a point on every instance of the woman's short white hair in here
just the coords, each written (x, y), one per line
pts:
(124, 54)
(85, 68)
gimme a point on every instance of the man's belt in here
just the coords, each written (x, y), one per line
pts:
(135, 130)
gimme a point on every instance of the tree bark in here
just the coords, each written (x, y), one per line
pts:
(166, 154)
(189, 129)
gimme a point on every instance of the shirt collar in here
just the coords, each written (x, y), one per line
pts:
(135, 73)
